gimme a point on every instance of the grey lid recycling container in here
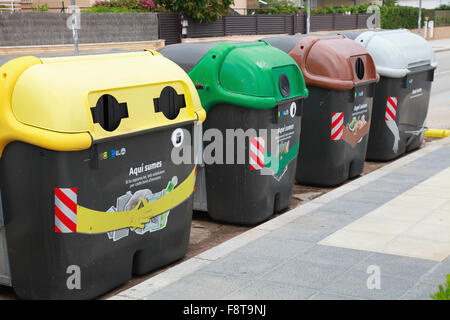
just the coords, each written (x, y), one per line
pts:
(340, 76)
(252, 93)
(406, 64)
(90, 194)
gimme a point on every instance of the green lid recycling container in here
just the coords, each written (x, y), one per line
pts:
(253, 95)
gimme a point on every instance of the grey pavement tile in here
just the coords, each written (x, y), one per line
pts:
(305, 232)
(421, 291)
(324, 218)
(275, 247)
(421, 170)
(327, 296)
(349, 208)
(243, 265)
(433, 161)
(367, 196)
(354, 283)
(333, 256)
(382, 186)
(397, 266)
(445, 151)
(402, 178)
(438, 274)
(305, 274)
(200, 286)
(267, 290)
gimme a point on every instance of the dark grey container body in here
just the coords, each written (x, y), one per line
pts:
(322, 160)
(39, 257)
(237, 194)
(389, 141)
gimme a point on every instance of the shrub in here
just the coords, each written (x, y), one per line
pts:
(362, 8)
(443, 294)
(444, 7)
(280, 7)
(400, 17)
(123, 6)
(199, 10)
(40, 8)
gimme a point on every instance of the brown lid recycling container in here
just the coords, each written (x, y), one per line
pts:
(341, 77)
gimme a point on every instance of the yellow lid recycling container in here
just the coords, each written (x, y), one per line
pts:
(90, 187)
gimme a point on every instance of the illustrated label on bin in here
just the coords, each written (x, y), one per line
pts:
(355, 130)
(66, 210)
(284, 143)
(129, 200)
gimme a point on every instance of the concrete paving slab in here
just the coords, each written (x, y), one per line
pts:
(200, 286)
(327, 296)
(438, 274)
(397, 266)
(367, 196)
(264, 290)
(323, 218)
(332, 256)
(243, 265)
(418, 248)
(355, 283)
(305, 233)
(275, 247)
(421, 291)
(349, 208)
(305, 274)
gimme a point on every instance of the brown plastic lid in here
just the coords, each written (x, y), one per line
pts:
(334, 62)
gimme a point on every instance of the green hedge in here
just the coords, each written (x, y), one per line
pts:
(400, 17)
(342, 9)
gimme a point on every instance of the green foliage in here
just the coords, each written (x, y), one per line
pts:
(389, 3)
(400, 17)
(280, 7)
(340, 10)
(330, 9)
(104, 9)
(444, 7)
(122, 6)
(199, 10)
(40, 8)
(443, 294)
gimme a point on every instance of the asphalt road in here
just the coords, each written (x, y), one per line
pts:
(439, 109)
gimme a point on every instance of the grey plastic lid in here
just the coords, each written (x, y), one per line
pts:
(6, 58)
(395, 52)
(187, 55)
(284, 43)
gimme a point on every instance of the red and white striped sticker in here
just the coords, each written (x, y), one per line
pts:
(391, 109)
(337, 126)
(65, 210)
(257, 145)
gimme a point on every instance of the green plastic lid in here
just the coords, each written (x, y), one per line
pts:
(250, 74)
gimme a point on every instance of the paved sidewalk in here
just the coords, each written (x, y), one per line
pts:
(396, 219)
